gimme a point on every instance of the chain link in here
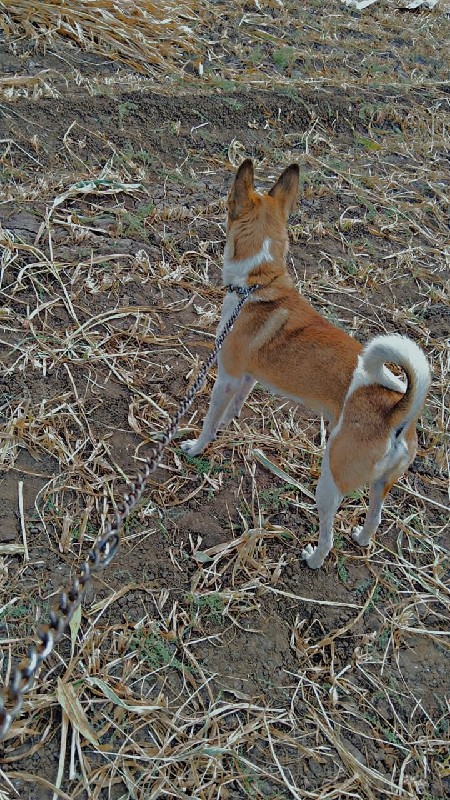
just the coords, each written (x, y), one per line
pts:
(104, 548)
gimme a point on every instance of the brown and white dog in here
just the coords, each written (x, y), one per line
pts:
(282, 342)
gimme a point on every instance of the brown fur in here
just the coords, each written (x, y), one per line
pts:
(364, 436)
(301, 360)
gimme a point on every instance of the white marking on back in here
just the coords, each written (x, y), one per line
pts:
(237, 270)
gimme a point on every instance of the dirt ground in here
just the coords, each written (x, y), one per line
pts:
(332, 683)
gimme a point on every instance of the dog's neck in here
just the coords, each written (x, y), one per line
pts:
(237, 271)
(267, 268)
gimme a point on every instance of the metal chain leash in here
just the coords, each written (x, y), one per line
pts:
(104, 548)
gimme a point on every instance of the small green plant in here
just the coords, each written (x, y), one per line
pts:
(363, 587)
(376, 68)
(368, 245)
(232, 103)
(49, 505)
(391, 736)
(210, 605)
(23, 617)
(124, 109)
(255, 55)
(155, 650)
(342, 570)
(442, 727)
(122, 576)
(350, 266)
(134, 221)
(132, 523)
(180, 179)
(11, 613)
(199, 463)
(141, 156)
(144, 157)
(203, 465)
(272, 499)
(283, 57)
(392, 581)
(222, 83)
(90, 530)
(369, 144)
(375, 599)
(371, 212)
(175, 126)
(390, 213)
(383, 638)
(367, 111)
(336, 164)
(338, 541)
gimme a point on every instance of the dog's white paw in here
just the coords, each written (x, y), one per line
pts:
(360, 537)
(312, 557)
(192, 447)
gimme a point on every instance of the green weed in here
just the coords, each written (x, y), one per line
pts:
(363, 587)
(283, 57)
(369, 144)
(124, 110)
(156, 651)
(133, 222)
(210, 605)
(233, 103)
(375, 599)
(222, 83)
(202, 464)
(273, 500)
(342, 570)
(256, 55)
(383, 639)
(19, 611)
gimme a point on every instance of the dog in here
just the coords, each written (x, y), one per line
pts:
(282, 342)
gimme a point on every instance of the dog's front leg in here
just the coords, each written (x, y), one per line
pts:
(224, 391)
(328, 498)
(246, 385)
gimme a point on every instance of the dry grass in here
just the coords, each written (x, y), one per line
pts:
(199, 667)
(253, 45)
(144, 35)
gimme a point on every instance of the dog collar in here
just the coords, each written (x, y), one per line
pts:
(243, 291)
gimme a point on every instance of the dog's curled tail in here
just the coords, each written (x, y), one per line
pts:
(400, 350)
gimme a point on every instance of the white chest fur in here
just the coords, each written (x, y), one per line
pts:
(230, 302)
(237, 270)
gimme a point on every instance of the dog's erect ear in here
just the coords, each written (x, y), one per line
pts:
(285, 191)
(239, 200)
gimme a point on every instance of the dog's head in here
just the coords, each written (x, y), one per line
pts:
(254, 217)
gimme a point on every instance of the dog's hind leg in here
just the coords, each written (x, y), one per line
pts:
(395, 463)
(377, 492)
(328, 498)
